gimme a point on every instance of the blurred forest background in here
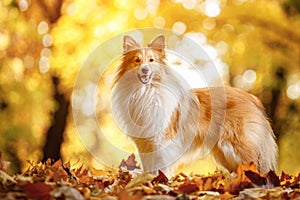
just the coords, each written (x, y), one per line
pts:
(43, 43)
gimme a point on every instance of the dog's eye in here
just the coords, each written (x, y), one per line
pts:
(151, 60)
(137, 60)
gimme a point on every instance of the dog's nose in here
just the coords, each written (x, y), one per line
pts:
(145, 70)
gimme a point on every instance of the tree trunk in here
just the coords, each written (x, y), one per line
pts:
(54, 137)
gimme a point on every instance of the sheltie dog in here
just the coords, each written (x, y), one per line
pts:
(170, 123)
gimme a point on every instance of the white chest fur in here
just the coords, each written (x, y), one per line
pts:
(144, 112)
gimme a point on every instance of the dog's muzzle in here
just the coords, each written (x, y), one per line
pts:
(144, 74)
(144, 78)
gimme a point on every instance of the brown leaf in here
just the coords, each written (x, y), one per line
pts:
(124, 195)
(37, 190)
(284, 176)
(124, 185)
(130, 163)
(208, 184)
(239, 181)
(160, 178)
(57, 173)
(296, 182)
(295, 195)
(56, 164)
(256, 178)
(122, 164)
(124, 176)
(188, 188)
(273, 178)
(288, 181)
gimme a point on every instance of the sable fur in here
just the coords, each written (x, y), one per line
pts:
(169, 123)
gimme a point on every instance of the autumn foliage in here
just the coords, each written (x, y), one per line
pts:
(61, 181)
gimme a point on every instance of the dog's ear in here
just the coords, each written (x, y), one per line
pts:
(158, 43)
(129, 44)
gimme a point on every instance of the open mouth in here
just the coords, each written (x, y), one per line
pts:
(145, 78)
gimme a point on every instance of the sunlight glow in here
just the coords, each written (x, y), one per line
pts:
(152, 6)
(293, 91)
(189, 4)
(72, 8)
(46, 52)
(113, 26)
(221, 47)
(4, 40)
(124, 4)
(47, 40)
(246, 80)
(23, 5)
(44, 64)
(238, 47)
(159, 22)
(43, 27)
(249, 76)
(212, 8)
(140, 13)
(209, 23)
(179, 27)
(18, 68)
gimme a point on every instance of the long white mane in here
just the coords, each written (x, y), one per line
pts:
(145, 110)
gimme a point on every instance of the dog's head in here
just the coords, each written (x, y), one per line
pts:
(145, 63)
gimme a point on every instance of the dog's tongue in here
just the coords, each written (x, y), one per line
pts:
(145, 79)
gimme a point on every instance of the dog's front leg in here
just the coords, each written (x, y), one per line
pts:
(153, 155)
(154, 161)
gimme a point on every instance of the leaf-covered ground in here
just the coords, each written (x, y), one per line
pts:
(60, 181)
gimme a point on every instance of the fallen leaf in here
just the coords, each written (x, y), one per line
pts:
(255, 178)
(159, 197)
(296, 182)
(273, 179)
(129, 164)
(143, 178)
(124, 195)
(67, 193)
(124, 176)
(37, 190)
(160, 178)
(59, 181)
(285, 176)
(208, 185)
(188, 188)
(295, 195)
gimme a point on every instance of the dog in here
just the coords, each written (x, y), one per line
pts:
(171, 124)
